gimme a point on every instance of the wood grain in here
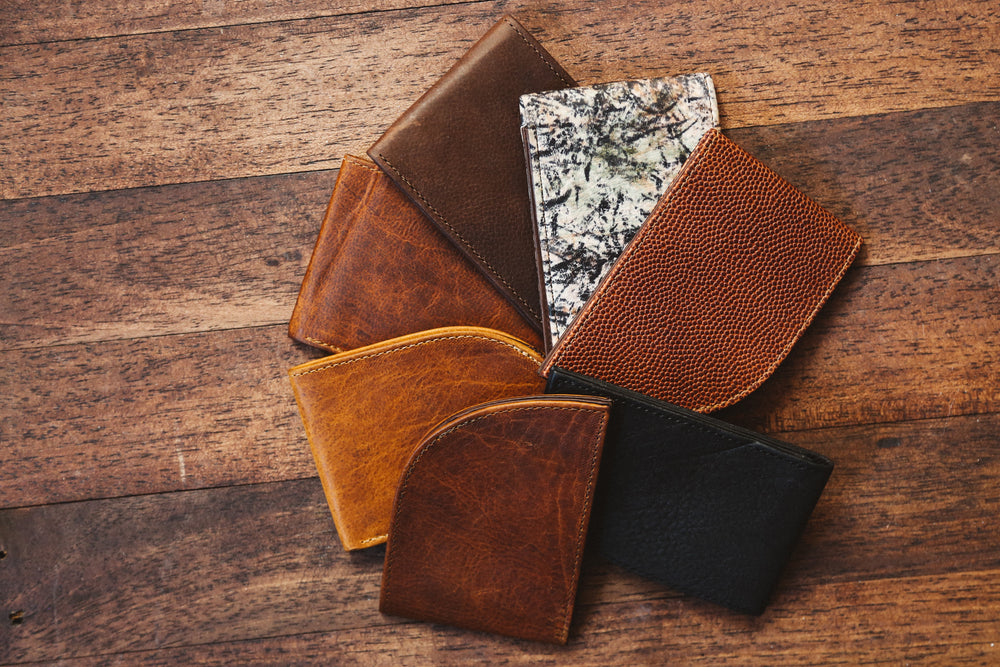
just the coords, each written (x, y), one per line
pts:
(280, 97)
(190, 568)
(28, 22)
(151, 415)
(207, 256)
(157, 261)
(895, 342)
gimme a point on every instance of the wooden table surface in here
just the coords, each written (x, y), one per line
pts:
(165, 168)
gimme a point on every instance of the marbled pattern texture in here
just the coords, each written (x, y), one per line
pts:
(599, 158)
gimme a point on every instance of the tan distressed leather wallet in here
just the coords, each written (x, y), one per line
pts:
(365, 411)
(718, 284)
(457, 153)
(491, 514)
(381, 269)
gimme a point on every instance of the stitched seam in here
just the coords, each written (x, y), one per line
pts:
(372, 355)
(537, 52)
(360, 164)
(391, 556)
(383, 536)
(458, 234)
(638, 242)
(567, 614)
(323, 343)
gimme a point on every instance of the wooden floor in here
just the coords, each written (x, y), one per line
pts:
(165, 168)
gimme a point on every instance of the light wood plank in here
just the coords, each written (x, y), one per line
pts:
(32, 22)
(228, 565)
(279, 97)
(207, 256)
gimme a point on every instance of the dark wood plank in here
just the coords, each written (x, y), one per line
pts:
(27, 22)
(201, 567)
(157, 261)
(913, 621)
(279, 97)
(204, 256)
(896, 342)
(157, 414)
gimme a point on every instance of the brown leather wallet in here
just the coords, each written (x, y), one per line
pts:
(718, 284)
(491, 514)
(365, 410)
(381, 269)
(457, 153)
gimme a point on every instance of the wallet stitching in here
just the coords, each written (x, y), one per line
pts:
(538, 53)
(369, 540)
(458, 235)
(391, 556)
(329, 346)
(379, 353)
(361, 164)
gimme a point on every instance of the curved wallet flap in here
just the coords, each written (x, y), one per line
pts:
(491, 515)
(457, 153)
(718, 284)
(381, 269)
(704, 507)
(365, 411)
(599, 157)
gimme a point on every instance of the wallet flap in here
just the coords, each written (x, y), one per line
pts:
(491, 514)
(365, 410)
(381, 269)
(457, 153)
(599, 157)
(715, 288)
(704, 507)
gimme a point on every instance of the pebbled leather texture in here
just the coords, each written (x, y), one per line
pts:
(701, 506)
(381, 269)
(599, 157)
(720, 281)
(457, 153)
(491, 516)
(365, 411)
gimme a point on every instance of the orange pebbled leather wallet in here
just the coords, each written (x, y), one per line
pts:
(491, 515)
(381, 269)
(365, 411)
(718, 284)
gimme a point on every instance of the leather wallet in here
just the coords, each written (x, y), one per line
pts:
(599, 157)
(718, 284)
(704, 507)
(365, 410)
(380, 269)
(491, 516)
(457, 153)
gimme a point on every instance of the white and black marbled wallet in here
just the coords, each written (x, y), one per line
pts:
(599, 157)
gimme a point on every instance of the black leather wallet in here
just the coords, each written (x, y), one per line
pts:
(704, 507)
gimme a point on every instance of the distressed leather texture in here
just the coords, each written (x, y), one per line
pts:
(365, 411)
(381, 269)
(491, 516)
(703, 507)
(457, 153)
(720, 281)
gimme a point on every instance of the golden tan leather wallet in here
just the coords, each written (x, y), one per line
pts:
(366, 410)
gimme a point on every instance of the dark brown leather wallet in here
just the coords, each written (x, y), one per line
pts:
(381, 269)
(491, 515)
(457, 153)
